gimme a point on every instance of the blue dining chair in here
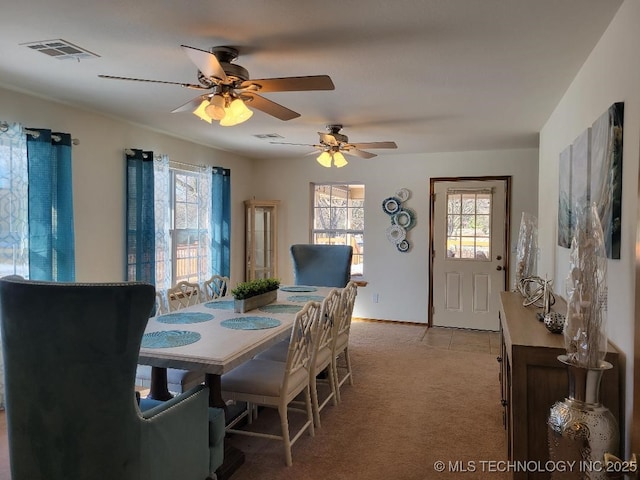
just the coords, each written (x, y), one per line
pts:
(70, 353)
(322, 265)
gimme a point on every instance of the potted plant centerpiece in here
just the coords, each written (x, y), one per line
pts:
(255, 293)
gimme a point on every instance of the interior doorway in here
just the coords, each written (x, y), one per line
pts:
(469, 246)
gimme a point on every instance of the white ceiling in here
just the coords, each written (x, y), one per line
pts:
(431, 75)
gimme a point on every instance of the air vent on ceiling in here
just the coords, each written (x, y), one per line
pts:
(61, 49)
(267, 135)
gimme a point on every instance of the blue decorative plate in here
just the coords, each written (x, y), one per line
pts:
(220, 304)
(305, 298)
(185, 317)
(169, 339)
(298, 288)
(391, 205)
(279, 308)
(250, 323)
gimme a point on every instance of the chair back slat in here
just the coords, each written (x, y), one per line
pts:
(217, 286)
(183, 294)
(299, 354)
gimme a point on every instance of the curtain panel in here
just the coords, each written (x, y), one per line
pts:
(51, 233)
(14, 226)
(221, 221)
(140, 241)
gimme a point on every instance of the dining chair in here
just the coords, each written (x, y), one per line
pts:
(321, 265)
(276, 384)
(70, 360)
(217, 286)
(183, 294)
(321, 353)
(341, 337)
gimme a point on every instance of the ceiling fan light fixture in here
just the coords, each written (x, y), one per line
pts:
(215, 109)
(236, 113)
(338, 160)
(201, 111)
(324, 159)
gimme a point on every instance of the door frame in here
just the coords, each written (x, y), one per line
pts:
(507, 228)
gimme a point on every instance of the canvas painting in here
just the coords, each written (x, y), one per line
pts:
(564, 200)
(580, 155)
(605, 182)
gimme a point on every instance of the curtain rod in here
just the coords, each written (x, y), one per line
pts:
(4, 127)
(129, 152)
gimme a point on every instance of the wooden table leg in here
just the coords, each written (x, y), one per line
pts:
(159, 389)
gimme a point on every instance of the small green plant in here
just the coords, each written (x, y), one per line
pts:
(254, 287)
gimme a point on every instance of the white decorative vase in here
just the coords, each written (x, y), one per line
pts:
(257, 301)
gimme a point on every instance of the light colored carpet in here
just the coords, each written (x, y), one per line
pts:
(413, 404)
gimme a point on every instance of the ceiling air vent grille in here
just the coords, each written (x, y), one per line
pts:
(60, 49)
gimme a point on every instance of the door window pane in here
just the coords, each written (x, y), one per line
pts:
(469, 225)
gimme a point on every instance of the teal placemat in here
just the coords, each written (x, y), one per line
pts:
(305, 298)
(276, 308)
(169, 339)
(298, 288)
(220, 304)
(185, 317)
(250, 323)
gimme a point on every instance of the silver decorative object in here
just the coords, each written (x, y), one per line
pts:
(580, 428)
(554, 321)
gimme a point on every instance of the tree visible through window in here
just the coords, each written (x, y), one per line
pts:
(338, 219)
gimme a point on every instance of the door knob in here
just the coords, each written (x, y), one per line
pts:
(499, 267)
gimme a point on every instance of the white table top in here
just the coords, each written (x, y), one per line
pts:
(220, 349)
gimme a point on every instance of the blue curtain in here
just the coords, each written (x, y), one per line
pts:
(51, 234)
(140, 242)
(221, 221)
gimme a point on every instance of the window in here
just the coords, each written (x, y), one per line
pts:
(469, 224)
(338, 219)
(189, 229)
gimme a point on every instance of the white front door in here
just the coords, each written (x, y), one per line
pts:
(468, 263)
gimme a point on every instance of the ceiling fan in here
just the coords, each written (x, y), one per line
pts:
(229, 88)
(333, 144)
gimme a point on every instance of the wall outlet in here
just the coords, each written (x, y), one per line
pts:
(376, 298)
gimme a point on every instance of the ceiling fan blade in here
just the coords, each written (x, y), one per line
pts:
(185, 85)
(375, 145)
(297, 144)
(290, 84)
(206, 62)
(358, 153)
(267, 106)
(191, 104)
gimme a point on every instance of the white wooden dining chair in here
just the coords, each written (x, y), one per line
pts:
(217, 286)
(321, 353)
(183, 294)
(341, 337)
(276, 384)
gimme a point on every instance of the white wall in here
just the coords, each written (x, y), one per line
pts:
(99, 178)
(400, 279)
(610, 74)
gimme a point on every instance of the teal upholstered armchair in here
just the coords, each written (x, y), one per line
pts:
(322, 265)
(70, 359)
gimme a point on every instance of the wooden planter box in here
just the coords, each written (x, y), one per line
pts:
(251, 303)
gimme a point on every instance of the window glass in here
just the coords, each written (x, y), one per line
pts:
(469, 225)
(338, 219)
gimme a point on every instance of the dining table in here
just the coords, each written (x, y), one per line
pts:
(212, 338)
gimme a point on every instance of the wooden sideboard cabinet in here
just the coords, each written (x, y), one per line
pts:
(532, 379)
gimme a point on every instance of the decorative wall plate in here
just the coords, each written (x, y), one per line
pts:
(404, 246)
(391, 205)
(406, 218)
(403, 194)
(396, 234)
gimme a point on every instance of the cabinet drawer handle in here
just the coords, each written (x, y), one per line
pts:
(504, 403)
(499, 359)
